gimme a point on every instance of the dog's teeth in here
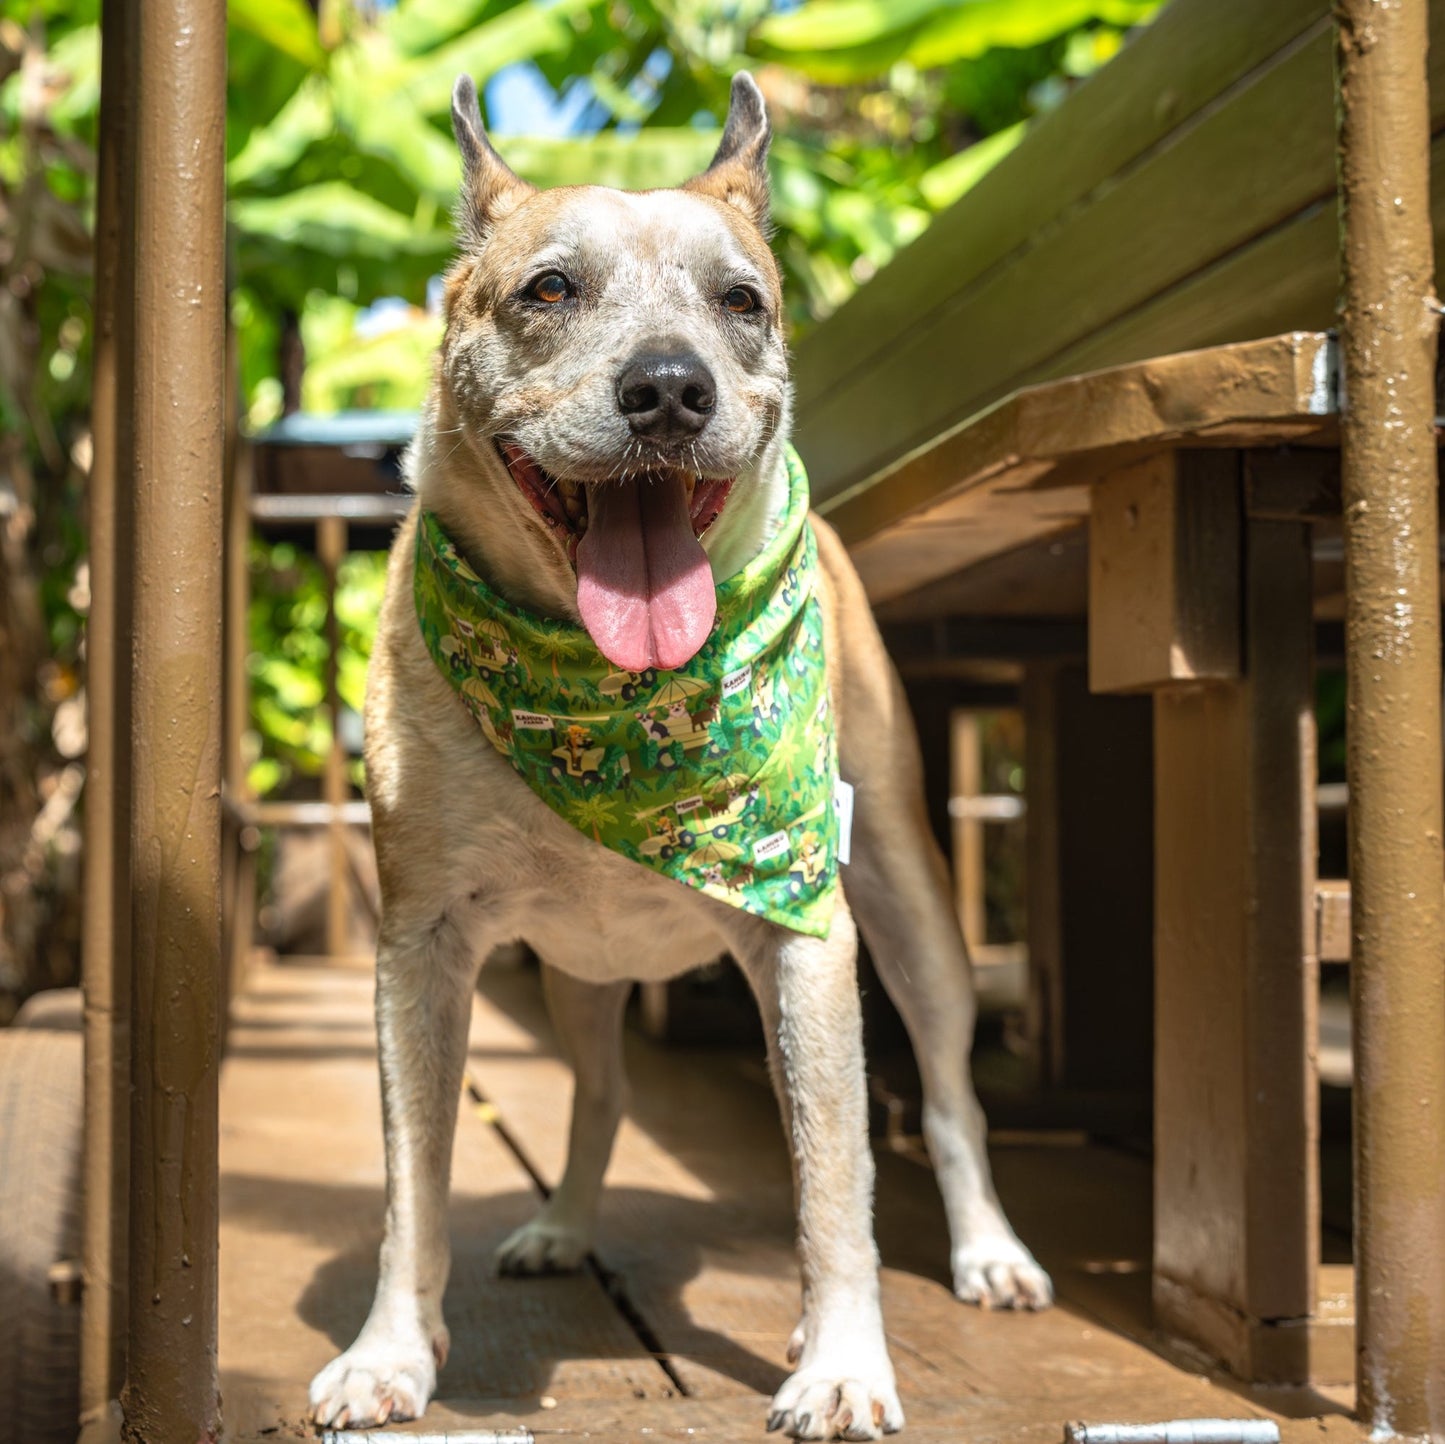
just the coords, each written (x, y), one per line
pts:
(573, 502)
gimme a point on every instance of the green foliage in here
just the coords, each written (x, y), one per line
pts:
(342, 173)
(288, 655)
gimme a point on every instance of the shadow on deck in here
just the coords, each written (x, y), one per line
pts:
(681, 1327)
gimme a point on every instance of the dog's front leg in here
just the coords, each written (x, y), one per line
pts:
(808, 994)
(424, 979)
(588, 1020)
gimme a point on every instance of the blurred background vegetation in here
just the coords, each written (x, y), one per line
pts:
(341, 177)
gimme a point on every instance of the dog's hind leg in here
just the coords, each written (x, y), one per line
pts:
(588, 1020)
(425, 972)
(897, 885)
(807, 991)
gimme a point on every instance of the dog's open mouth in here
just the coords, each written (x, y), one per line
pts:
(644, 586)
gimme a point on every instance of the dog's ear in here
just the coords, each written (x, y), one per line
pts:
(739, 171)
(489, 188)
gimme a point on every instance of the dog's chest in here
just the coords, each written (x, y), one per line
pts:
(583, 908)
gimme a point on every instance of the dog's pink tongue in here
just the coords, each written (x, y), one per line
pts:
(644, 586)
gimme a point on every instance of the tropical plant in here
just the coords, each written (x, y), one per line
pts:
(341, 174)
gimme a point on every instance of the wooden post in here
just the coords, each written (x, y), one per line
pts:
(966, 765)
(175, 404)
(1236, 1245)
(1392, 643)
(1163, 572)
(331, 548)
(1089, 840)
(106, 923)
(1044, 917)
(239, 882)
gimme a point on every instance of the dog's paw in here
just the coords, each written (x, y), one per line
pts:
(540, 1247)
(1000, 1273)
(376, 1382)
(819, 1402)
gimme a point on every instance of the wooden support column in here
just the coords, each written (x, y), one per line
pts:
(1236, 1246)
(1390, 469)
(1211, 613)
(331, 541)
(105, 949)
(1089, 841)
(172, 390)
(239, 853)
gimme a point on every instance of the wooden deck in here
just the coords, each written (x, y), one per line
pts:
(679, 1330)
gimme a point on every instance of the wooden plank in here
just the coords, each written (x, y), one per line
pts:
(1164, 541)
(697, 1222)
(1283, 280)
(1020, 471)
(1332, 920)
(1209, 190)
(302, 1196)
(1043, 897)
(1236, 1185)
(1190, 55)
(1048, 578)
(966, 782)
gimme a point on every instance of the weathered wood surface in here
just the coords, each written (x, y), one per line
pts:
(696, 1230)
(301, 1209)
(1183, 198)
(1237, 1240)
(1164, 565)
(1022, 470)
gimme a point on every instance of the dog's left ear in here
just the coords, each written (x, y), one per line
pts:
(489, 187)
(739, 171)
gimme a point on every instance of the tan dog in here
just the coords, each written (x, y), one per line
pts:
(592, 335)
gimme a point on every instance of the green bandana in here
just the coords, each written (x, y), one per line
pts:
(720, 775)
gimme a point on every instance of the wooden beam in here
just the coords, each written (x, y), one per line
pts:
(1332, 920)
(1021, 471)
(1089, 850)
(1236, 1188)
(1163, 573)
(1192, 53)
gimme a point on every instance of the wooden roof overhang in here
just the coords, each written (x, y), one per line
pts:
(1021, 471)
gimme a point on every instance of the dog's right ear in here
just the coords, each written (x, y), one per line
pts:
(490, 190)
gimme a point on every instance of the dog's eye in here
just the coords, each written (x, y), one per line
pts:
(551, 288)
(740, 301)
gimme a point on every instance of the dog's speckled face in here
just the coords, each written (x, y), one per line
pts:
(579, 286)
(623, 352)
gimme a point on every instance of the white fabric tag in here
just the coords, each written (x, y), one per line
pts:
(843, 802)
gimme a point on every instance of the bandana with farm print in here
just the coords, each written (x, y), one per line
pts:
(720, 775)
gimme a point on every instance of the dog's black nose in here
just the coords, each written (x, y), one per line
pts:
(666, 396)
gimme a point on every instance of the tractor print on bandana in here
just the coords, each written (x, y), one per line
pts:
(578, 758)
(720, 774)
(480, 649)
(628, 685)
